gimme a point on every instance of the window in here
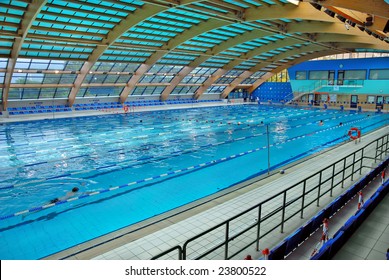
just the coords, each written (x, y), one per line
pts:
(355, 74)
(318, 75)
(371, 99)
(301, 75)
(379, 74)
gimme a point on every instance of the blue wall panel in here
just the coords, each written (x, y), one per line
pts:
(273, 91)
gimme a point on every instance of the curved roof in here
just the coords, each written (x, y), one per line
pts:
(164, 47)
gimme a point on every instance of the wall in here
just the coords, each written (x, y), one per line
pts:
(273, 91)
(376, 87)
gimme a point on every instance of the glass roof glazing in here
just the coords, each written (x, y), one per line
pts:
(211, 8)
(3, 63)
(65, 33)
(252, 2)
(203, 71)
(238, 4)
(42, 64)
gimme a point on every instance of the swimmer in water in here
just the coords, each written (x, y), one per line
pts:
(65, 197)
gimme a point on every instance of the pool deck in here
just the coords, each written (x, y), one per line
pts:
(151, 237)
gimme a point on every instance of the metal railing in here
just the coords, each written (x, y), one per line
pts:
(220, 239)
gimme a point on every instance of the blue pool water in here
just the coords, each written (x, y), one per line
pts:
(159, 160)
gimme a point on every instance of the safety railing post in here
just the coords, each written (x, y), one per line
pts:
(332, 179)
(259, 226)
(362, 155)
(344, 170)
(376, 151)
(303, 199)
(352, 170)
(318, 191)
(226, 241)
(283, 213)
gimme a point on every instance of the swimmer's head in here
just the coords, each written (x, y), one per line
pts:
(75, 189)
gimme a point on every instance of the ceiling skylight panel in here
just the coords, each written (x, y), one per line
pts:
(154, 32)
(160, 27)
(252, 2)
(199, 44)
(182, 47)
(224, 32)
(234, 30)
(254, 44)
(189, 14)
(269, 2)
(246, 47)
(263, 22)
(212, 8)
(206, 39)
(148, 37)
(238, 4)
(167, 22)
(270, 38)
(230, 53)
(178, 18)
(237, 49)
(261, 41)
(215, 36)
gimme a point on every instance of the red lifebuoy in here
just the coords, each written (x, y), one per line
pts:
(352, 136)
(125, 108)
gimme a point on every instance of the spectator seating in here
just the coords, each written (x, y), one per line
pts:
(285, 247)
(37, 109)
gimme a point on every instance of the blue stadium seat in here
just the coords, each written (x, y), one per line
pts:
(293, 241)
(278, 253)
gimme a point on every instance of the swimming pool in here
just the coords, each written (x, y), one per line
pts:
(136, 166)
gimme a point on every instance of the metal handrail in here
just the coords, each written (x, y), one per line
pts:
(356, 165)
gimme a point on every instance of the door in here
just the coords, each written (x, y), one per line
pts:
(354, 101)
(340, 78)
(379, 102)
(331, 77)
(311, 98)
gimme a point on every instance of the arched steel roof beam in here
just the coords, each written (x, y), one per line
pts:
(250, 35)
(131, 20)
(173, 43)
(29, 16)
